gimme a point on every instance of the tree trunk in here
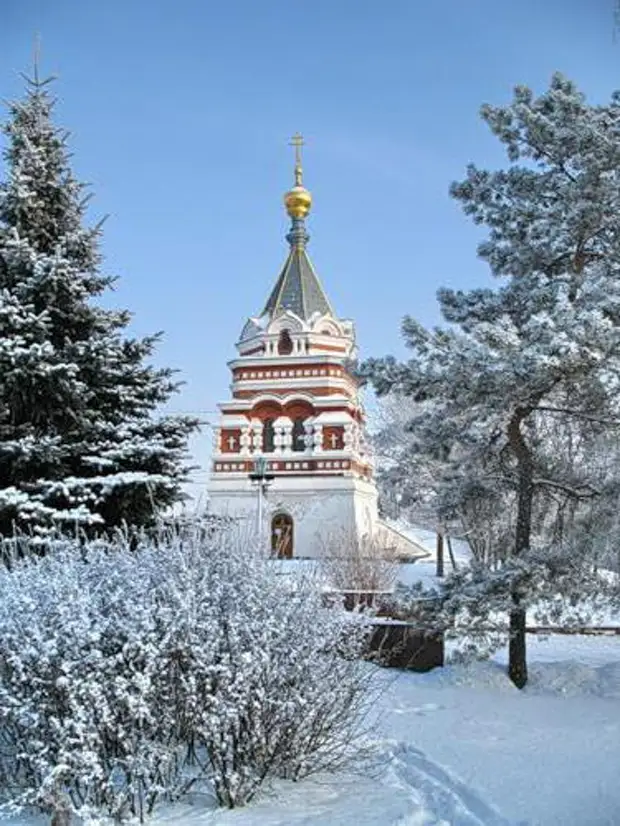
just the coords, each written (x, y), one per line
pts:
(439, 571)
(451, 553)
(61, 817)
(517, 649)
(517, 652)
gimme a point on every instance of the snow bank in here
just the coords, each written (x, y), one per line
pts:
(576, 679)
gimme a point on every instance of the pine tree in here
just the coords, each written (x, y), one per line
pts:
(80, 440)
(541, 354)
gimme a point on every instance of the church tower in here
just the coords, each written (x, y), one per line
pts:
(295, 410)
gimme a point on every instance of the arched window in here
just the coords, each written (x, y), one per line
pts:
(285, 343)
(282, 536)
(298, 435)
(268, 436)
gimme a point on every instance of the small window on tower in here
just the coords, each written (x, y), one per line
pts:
(299, 435)
(285, 343)
(268, 436)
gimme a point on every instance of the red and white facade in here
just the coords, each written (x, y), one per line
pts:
(301, 410)
(295, 402)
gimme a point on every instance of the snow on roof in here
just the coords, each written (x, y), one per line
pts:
(424, 570)
(427, 540)
(230, 420)
(402, 541)
(332, 417)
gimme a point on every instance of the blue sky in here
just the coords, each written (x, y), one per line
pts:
(180, 114)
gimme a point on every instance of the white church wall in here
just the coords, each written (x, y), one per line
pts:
(322, 508)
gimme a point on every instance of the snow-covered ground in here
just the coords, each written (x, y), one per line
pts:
(461, 746)
(424, 570)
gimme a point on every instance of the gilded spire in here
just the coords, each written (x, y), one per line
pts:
(298, 288)
(298, 200)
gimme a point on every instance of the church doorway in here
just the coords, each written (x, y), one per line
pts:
(282, 536)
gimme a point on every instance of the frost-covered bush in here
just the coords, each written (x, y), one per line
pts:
(82, 670)
(128, 675)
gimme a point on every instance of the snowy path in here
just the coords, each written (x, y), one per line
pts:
(457, 803)
(538, 759)
(461, 746)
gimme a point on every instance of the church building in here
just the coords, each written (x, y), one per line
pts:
(295, 412)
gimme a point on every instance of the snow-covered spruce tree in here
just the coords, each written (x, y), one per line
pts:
(79, 440)
(542, 352)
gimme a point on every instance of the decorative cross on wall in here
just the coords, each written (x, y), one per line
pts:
(232, 442)
(334, 440)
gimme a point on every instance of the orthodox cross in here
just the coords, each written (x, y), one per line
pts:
(297, 141)
(232, 442)
(334, 440)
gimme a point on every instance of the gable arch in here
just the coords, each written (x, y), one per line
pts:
(293, 405)
(326, 325)
(267, 408)
(287, 321)
(298, 408)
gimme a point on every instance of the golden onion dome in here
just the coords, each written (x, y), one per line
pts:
(298, 201)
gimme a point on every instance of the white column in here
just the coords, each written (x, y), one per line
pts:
(309, 428)
(256, 428)
(287, 436)
(318, 438)
(217, 439)
(348, 437)
(283, 440)
(277, 438)
(245, 442)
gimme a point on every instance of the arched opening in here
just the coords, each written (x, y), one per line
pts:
(285, 343)
(299, 411)
(269, 433)
(282, 536)
(298, 435)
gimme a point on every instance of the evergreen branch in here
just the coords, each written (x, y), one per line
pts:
(584, 492)
(578, 414)
(36, 83)
(100, 223)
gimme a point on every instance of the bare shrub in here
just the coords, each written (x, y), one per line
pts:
(364, 564)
